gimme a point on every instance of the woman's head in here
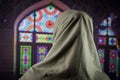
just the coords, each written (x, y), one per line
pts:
(71, 20)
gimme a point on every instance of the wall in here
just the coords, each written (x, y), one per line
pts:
(6, 54)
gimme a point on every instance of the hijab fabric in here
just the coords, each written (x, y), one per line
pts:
(73, 55)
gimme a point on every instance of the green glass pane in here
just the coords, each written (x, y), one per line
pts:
(44, 38)
(25, 58)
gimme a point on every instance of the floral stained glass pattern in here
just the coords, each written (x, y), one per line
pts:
(25, 58)
(44, 38)
(41, 53)
(113, 56)
(25, 37)
(45, 19)
(101, 53)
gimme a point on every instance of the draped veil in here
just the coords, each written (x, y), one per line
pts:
(73, 55)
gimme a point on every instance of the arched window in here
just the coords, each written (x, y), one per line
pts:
(107, 51)
(33, 33)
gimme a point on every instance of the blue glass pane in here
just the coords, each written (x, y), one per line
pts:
(106, 31)
(102, 32)
(112, 41)
(27, 24)
(110, 32)
(106, 22)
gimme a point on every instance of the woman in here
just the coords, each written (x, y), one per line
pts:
(73, 55)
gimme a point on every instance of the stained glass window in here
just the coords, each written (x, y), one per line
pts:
(107, 51)
(35, 33)
(25, 58)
